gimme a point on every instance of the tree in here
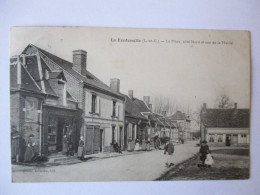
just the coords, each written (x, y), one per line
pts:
(224, 102)
(161, 104)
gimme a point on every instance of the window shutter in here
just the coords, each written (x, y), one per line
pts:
(117, 109)
(88, 99)
(98, 105)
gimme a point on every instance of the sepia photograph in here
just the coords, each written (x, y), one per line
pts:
(92, 104)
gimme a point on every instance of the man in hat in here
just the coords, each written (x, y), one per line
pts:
(204, 150)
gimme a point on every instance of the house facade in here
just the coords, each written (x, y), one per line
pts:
(41, 106)
(183, 125)
(225, 127)
(138, 125)
(102, 107)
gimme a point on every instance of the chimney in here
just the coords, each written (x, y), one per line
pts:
(146, 100)
(235, 105)
(164, 113)
(79, 61)
(150, 107)
(19, 79)
(115, 84)
(131, 94)
(204, 106)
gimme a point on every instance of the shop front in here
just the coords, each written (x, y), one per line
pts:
(61, 129)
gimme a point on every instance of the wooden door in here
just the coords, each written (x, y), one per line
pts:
(89, 139)
(96, 140)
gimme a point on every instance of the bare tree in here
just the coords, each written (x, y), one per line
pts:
(224, 102)
(163, 104)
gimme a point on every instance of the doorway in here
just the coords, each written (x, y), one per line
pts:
(120, 137)
(60, 130)
(228, 140)
(101, 140)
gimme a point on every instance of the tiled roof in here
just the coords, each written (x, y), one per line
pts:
(134, 108)
(178, 116)
(88, 78)
(226, 118)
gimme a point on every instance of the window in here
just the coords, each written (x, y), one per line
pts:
(94, 103)
(52, 131)
(220, 138)
(211, 138)
(243, 135)
(114, 109)
(31, 105)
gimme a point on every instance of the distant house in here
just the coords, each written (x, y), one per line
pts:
(102, 106)
(41, 105)
(222, 127)
(138, 125)
(183, 124)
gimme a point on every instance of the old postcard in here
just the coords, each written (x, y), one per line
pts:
(125, 104)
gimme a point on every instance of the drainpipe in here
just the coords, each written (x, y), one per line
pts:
(40, 148)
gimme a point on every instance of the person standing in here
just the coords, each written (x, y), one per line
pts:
(81, 151)
(169, 148)
(65, 148)
(204, 150)
(30, 150)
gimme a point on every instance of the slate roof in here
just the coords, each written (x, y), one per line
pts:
(88, 78)
(226, 118)
(134, 107)
(178, 116)
(27, 82)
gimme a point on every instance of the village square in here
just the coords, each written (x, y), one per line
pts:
(68, 125)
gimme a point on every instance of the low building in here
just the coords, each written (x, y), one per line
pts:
(138, 125)
(225, 127)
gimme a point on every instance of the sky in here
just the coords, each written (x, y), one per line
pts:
(189, 67)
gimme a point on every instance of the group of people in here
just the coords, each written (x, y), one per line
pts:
(205, 155)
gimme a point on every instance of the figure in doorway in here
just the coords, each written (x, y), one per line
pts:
(65, 148)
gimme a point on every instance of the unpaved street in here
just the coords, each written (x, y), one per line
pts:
(137, 167)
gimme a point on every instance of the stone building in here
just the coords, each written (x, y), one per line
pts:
(41, 106)
(102, 107)
(183, 125)
(225, 127)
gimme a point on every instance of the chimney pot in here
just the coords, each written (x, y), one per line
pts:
(146, 100)
(131, 94)
(115, 84)
(164, 113)
(235, 105)
(150, 107)
(79, 61)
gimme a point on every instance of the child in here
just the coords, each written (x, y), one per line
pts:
(169, 147)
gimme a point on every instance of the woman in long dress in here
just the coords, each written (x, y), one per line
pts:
(30, 151)
(81, 151)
